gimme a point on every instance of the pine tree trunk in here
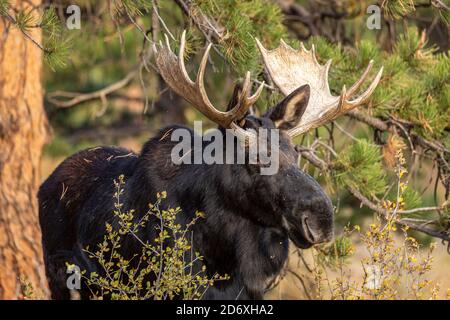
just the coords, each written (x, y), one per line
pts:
(23, 131)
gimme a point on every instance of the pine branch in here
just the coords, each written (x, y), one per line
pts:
(381, 125)
(212, 31)
(208, 26)
(54, 47)
(22, 29)
(310, 155)
(440, 5)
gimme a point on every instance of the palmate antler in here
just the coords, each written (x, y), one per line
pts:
(174, 73)
(290, 69)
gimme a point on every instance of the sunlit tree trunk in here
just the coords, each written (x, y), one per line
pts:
(23, 131)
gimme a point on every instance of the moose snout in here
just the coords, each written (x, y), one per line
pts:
(312, 222)
(318, 220)
(317, 229)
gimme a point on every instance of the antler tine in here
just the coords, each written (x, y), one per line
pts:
(181, 57)
(361, 80)
(366, 94)
(246, 86)
(245, 101)
(200, 81)
(252, 99)
(246, 89)
(341, 105)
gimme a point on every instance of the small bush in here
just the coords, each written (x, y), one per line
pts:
(159, 270)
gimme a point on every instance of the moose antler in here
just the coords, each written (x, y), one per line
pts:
(173, 71)
(290, 69)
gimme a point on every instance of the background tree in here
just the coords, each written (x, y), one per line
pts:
(23, 132)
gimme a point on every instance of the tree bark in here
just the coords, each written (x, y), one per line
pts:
(23, 132)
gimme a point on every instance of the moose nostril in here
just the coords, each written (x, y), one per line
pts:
(308, 231)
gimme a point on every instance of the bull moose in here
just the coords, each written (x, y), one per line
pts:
(249, 217)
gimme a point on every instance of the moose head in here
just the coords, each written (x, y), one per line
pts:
(293, 198)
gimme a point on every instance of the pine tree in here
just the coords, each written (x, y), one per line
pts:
(23, 132)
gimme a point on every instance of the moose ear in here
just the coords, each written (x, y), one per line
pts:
(287, 113)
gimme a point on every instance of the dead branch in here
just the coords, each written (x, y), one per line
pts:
(57, 97)
(388, 126)
(444, 235)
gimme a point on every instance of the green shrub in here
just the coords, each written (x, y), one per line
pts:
(163, 259)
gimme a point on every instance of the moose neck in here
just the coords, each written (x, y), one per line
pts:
(211, 188)
(240, 225)
(238, 228)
